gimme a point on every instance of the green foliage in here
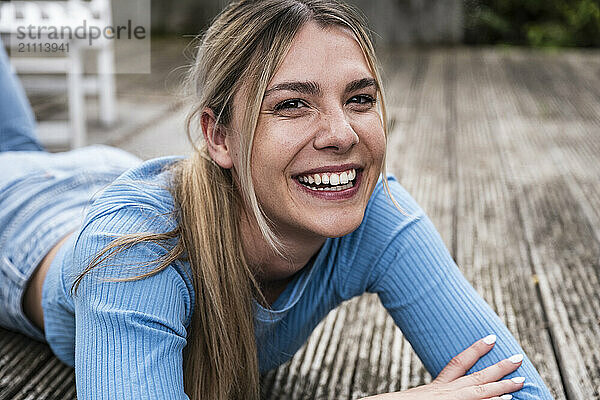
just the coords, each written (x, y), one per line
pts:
(540, 23)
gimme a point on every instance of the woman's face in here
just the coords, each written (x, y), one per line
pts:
(318, 123)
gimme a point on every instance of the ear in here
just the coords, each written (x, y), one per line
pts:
(215, 137)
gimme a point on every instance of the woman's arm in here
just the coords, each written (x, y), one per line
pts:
(437, 309)
(129, 335)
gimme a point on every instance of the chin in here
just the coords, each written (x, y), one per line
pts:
(338, 227)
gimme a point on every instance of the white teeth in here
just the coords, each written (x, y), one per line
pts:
(332, 179)
(343, 178)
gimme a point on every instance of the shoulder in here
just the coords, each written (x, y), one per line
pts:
(143, 188)
(381, 230)
(146, 183)
(381, 209)
(138, 201)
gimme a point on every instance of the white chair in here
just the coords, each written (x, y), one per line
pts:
(70, 13)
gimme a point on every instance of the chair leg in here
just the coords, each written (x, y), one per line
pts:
(106, 89)
(76, 93)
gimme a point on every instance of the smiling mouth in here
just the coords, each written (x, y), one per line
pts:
(329, 181)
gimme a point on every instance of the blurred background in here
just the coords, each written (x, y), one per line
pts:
(418, 22)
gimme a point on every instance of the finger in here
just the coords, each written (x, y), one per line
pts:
(503, 397)
(494, 389)
(492, 373)
(460, 364)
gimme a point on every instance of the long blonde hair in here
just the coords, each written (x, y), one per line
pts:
(245, 45)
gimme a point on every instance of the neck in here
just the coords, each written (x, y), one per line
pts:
(272, 271)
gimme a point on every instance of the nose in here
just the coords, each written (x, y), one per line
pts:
(336, 133)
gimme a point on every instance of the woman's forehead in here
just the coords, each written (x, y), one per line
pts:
(318, 53)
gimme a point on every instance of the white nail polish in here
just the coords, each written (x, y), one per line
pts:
(518, 379)
(489, 339)
(506, 396)
(517, 358)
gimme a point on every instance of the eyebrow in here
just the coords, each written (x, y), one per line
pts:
(361, 84)
(314, 89)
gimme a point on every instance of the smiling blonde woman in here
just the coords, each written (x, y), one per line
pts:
(188, 277)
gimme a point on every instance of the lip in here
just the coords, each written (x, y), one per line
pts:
(331, 195)
(330, 168)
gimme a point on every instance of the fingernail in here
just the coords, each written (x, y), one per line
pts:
(489, 339)
(518, 379)
(517, 358)
(506, 396)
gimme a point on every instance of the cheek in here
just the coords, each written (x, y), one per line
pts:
(270, 157)
(276, 144)
(377, 142)
(372, 136)
(284, 136)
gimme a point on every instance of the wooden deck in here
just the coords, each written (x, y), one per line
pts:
(501, 147)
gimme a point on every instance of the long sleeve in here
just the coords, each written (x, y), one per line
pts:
(129, 336)
(437, 309)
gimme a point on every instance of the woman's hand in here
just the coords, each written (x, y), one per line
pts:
(452, 384)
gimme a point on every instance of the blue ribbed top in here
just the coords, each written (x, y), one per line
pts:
(125, 339)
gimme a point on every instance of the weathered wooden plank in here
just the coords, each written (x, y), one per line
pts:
(367, 364)
(49, 382)
(545, 202)
(28, 369)
(492, 259)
